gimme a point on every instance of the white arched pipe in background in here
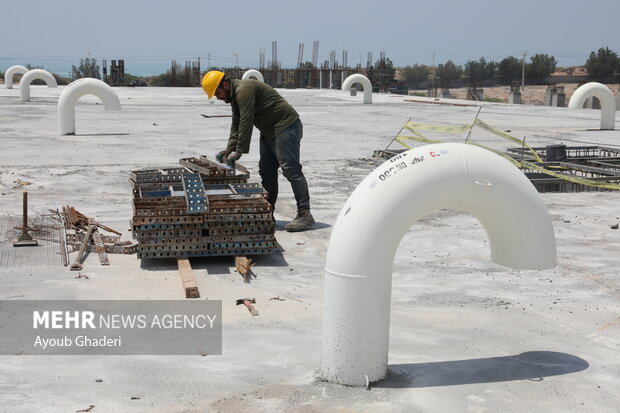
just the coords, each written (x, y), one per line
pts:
(73, 92)
(249, 74)
(370, 226)
(34, 74)
(13, 70)
(606, 97)
(361, 79)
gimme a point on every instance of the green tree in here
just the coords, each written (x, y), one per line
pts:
(175, 76)
(510, 69)
(448, 73)
(603, 63)
(384, 73)
(480, 70)
(88, 68)
(415, 74)
(541, 66)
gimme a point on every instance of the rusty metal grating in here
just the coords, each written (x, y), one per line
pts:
(202, 209)
(45, 229)
(595, 163)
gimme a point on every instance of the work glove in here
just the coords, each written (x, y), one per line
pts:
(222, 155)
(232, 158)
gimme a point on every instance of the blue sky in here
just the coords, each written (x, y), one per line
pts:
(149, 34)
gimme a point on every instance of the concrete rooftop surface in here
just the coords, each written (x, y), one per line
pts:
(466, 335)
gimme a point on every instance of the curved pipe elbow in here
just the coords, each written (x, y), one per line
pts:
(10, 72)
(381, 210)
(604, 95)
(74, 91)
(252, 73)
(361, 79)
(29, 77)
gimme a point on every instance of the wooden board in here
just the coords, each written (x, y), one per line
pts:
(244, 265)
(100, 248)
(187, 278)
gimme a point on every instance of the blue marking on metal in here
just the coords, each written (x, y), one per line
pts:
(195, 197)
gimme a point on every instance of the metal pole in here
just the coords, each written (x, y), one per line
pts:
(523, 72)
(433, 78)
(473, 124)
(25, 212)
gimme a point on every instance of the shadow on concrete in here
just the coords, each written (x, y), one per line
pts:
(102, 134)
(217, 264)
(531, 365)
(281, 225)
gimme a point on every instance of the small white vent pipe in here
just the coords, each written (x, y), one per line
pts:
(34, 74)
(370, 226)
(249, 74)
(604, 95)
(73, 92)
(13, 70)
(361, 79)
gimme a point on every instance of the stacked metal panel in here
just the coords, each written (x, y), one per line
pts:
(200, 209)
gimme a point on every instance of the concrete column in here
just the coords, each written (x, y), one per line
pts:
(549, 95)
(559, 100)
(514, 98)
(592, 103)
(559, 97)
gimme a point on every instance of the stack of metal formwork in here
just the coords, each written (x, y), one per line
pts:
(201, 209)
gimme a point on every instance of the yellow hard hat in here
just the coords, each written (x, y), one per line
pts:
(211, 81)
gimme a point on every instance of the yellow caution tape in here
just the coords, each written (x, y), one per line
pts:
(504, 135)
(436, 128)
(413, 127)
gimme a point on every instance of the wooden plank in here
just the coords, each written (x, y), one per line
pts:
(98, 241)
(243, 265)
(100, 248)
(77, 264)
(187, 278)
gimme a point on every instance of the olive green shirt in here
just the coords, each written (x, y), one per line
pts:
(255, 103)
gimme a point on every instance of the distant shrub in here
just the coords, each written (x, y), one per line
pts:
(541, 66)
(603, 63)
(480, 70)
(494, 100)
(413, 75)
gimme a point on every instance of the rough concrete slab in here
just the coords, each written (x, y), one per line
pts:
(466, 334)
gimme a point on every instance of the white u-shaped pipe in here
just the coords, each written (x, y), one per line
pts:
(73, 92)
(252, 73)
(365, 237)
(34, 74)
(361, 79)
(604, 95)
(13, 70)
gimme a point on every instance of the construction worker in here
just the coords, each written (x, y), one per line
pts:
(255, 103)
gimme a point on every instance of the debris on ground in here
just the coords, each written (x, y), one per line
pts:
(83, 235)
(248, 303)
(19, 184)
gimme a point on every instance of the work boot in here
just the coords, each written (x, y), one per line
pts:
(302, 221)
